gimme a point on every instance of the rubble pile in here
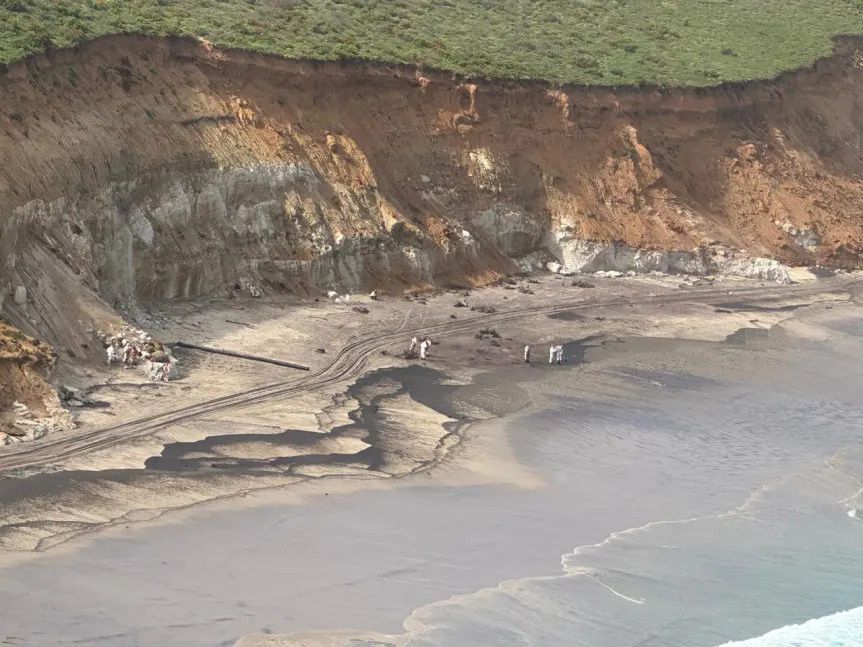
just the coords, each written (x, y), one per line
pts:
(133, 346)
(72, 397)
(27, 426)
(488, 333)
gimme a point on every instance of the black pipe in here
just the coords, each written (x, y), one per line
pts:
(230, 353)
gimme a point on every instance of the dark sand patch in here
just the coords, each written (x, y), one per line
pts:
(567, 315)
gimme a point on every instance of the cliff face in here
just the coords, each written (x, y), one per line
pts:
(136, 170)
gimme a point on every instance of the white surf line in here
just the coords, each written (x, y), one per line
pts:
(414, 627)
(762, 489)
(595, 577)
(620, 595)
(852, 510)
(620, 534)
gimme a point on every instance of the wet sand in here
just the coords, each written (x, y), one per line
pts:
(228, 452)
(422, 500)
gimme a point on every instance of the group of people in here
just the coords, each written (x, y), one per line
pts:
(555, 354)
(127, 353)
(555, 351)
(424, 347)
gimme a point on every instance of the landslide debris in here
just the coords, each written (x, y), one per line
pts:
(29, 408)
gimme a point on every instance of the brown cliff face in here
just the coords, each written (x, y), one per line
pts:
(140, 170)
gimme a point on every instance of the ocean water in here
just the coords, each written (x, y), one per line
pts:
(769, 459)
(784, 555)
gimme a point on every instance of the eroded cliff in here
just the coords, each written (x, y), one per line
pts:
(137, 170)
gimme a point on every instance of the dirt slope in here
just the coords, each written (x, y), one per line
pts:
(137, 170)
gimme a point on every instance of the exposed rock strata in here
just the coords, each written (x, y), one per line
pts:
(138, 170)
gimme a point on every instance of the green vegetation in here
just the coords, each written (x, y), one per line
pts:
(675, 42)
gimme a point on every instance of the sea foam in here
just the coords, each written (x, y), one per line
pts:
(843, 629)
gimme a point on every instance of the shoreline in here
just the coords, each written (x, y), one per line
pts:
(646, 429)
(214, 476)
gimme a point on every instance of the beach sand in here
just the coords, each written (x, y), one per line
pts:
(438, 480)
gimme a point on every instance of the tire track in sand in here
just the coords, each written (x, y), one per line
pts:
(351, 361)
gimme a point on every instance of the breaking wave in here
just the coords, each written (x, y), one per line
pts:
(843, 629)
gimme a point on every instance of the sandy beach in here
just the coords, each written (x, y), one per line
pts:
(356, 507)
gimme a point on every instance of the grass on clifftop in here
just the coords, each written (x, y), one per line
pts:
(674, 42)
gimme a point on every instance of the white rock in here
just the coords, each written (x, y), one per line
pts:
(20, 295)
(553, 267)
(806, 238)
(332, 295)
(74, 403)
(21, 410)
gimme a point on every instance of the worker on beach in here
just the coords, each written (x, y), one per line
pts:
(112, 353)
(527, 354)
(424, 348)
(413, 347)
(559, 353)
(551, 351)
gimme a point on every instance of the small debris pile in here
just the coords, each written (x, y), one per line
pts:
(335, 297)
(361, 309)
(488, 333)
(254, 291)
(582, 284)
(460, 303)
(28, 427)
(415, 297)
(162, 371)
(132, 346)
(485, 309)
(505, 281)
(72, 397)
(523, 289)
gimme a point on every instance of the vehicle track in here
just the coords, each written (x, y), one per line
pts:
(351, 361)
